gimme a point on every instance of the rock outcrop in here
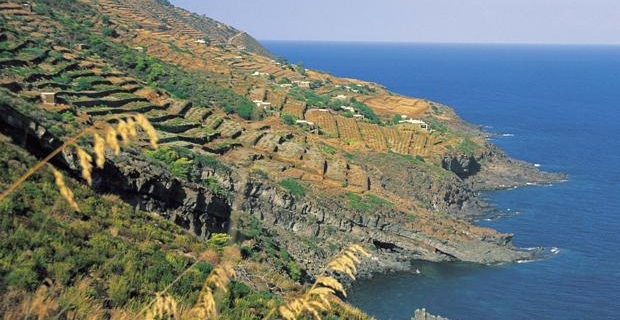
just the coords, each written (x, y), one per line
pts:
(422, 314)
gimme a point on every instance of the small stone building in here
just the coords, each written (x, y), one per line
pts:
(48, 98)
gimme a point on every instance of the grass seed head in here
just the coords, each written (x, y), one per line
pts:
(86, 162)
(112, 141)
(65, 192)
(99, 150)
(148, 128)
(123, 130)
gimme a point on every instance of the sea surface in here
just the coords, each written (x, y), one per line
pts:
(557, 106)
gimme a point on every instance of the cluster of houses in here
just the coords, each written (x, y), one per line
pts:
(262, 104)
(349, 88)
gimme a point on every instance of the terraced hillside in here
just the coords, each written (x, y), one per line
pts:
(294, 164)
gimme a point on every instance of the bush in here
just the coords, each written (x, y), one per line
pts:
(214, 186)
(245, 110)
(179, 166)
(218, 241)
(288, 119)
(23, 276)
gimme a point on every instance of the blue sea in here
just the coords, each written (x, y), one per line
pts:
(557, 106)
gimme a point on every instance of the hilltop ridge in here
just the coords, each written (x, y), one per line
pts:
(294, 164)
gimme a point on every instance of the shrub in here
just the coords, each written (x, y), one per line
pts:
(214, 186)
(181, 167)
(218, 241)
(23, 276)
(288, 118)
(245, 110)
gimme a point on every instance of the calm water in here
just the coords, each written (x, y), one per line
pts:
(556, 106)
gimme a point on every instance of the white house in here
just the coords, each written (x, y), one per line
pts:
(304, 122)
(348, 108)
(200, 41)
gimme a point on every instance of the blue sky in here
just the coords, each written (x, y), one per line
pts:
(460, 21)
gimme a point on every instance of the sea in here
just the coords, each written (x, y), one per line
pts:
(555, 106)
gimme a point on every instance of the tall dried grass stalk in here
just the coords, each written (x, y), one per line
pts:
(99, 149)
(123, 130)
(112, 141)
(317, 299)
(131, 125)
(86, 162)
(65, 192)
(206, 306)
(164, 307)
(148, 128)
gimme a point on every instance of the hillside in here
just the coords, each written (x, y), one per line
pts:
(293, 164)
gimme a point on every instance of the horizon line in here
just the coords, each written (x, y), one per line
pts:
(445, 43)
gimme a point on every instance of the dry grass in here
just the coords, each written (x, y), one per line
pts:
(318, 299)
(206, 307)
(164, 307)
(65, 192)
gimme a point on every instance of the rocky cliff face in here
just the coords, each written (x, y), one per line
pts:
(312, 227)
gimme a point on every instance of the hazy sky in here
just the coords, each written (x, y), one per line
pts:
(488, 21)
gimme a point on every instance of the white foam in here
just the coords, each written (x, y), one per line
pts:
(537, 165)
(524, 261)
(508, 135)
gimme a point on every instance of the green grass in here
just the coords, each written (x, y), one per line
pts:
(367, 203)
(125, 253)
(328, 149)
(292, 185)
(467, 146)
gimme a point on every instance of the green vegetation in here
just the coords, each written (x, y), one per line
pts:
(124, 254)
(436, 125)
(265, 242)
(365, 110)
(292, 185)
(288, 118)
(178, 165)
(467, 146)
(218, 241)
(328, 149)
(214, 186)
(367, 203)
